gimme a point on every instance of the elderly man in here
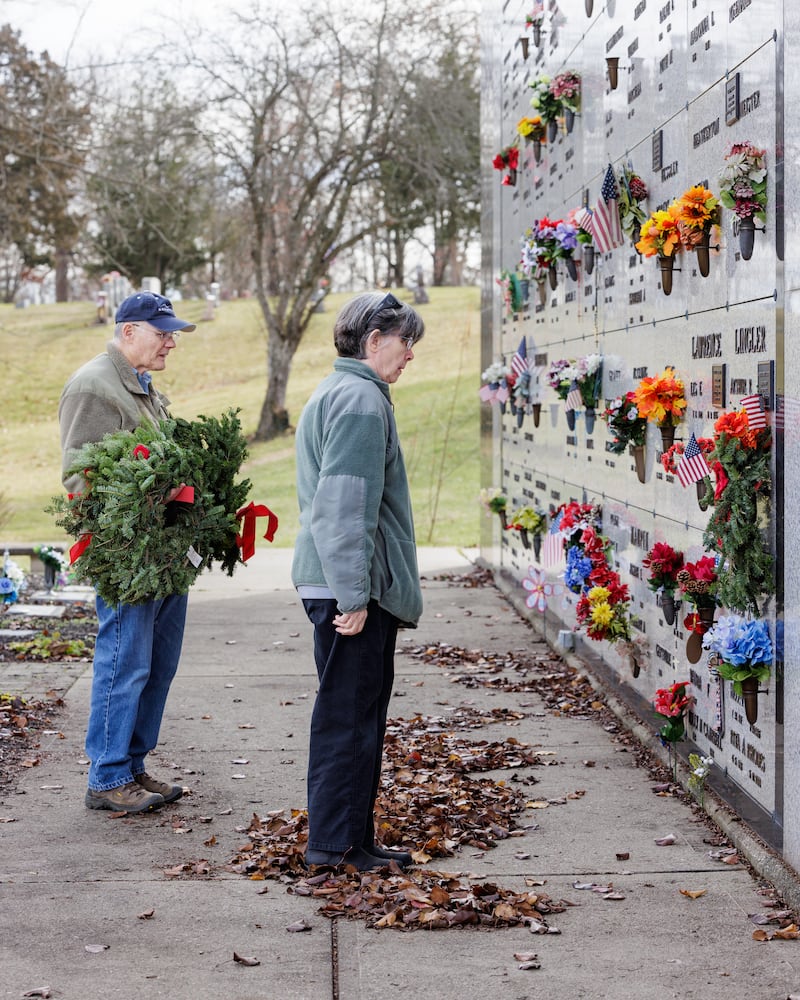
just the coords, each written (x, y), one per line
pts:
(138, 646)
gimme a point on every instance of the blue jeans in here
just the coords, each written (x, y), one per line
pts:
(136, 656)
(356, 674)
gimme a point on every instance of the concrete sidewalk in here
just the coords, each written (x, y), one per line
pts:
(77, 887)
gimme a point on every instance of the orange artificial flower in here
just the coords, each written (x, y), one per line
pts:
(532, 127)
(736, 424)
(661, 399)
(660, 234)
(699, 210)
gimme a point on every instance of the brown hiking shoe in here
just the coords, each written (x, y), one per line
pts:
(130, 798)
(167, 791)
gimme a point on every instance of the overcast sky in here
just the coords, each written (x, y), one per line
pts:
(82, 29)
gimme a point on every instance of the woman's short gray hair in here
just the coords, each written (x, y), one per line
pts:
(373, 311)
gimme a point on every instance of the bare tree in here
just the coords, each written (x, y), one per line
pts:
(304, 114)
(44, 124)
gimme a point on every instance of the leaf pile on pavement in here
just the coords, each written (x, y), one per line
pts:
(563, 690)
(21, 723)
(427, 900)
(429, 800)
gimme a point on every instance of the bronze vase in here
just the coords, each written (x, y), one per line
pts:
(750, 696)
(747, 235)
(665, 265)
(640, 458)
(667, 436)
(668, 608)
(703, 255)
(536, 409)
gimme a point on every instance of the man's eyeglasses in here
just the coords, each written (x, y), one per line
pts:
(387, 302)
(165, 335)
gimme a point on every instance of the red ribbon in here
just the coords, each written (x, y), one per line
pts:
(247, 539)
(186, 495)
(79, 547)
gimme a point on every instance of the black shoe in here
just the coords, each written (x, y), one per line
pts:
(403, 858)
(355, 857)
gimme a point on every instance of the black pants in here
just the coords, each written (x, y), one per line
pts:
(348, 723)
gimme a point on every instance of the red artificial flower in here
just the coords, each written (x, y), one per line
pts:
(720, 480)
(673, 701)
(141, 451)
(703, 569)
(499, 162)
(737, 425)
(513, 158)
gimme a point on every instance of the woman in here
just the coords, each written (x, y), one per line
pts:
(355, 569)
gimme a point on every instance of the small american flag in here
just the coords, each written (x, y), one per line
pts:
(553, 547)
(606, 228)
(756, 417)
(574, 400)
(519, 363)
(583, 219)
(693, 465)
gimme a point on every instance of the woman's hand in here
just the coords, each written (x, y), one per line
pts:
(350, 623)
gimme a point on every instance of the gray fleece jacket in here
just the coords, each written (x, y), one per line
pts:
(356, 528)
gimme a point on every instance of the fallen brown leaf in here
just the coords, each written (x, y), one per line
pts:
(147, 915)
(666, 841)
(692, 893)
(242, 960)
(299, 926)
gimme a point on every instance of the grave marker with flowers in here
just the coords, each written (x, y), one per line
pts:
(629, 430)
(743, 190)
(743, 649)
(661, 399)
(566, 89)
(545, 104)
(660, 237)
(698, 586)
(664, 562)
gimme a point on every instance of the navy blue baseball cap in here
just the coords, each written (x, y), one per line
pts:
(147, 307)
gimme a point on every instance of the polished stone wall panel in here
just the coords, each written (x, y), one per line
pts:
(677, 60)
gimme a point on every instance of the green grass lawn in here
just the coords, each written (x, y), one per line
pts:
(223, 364)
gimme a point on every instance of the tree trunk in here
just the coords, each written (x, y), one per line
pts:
(62, 275)
(274, 418)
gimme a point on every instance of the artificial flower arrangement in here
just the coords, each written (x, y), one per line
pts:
(623, 420)
(50, 556)
(560, 375)
(508, 159)
(535, 18)
(589, 377)
(544, 102)
(605, 611)
(533, 262)
(698, 211)
(556, 239)
(509, 283)
(632, 192)
(496, 384)
(743, 486)
(660, 235)
(533, 128)
(698, 583)
(664, 562)
(744, 650)
(529, 521)
(698, 586)
(566, 89)
(495, 501)
(671, 704)
(661, 399)
(743, 181)
(670, 458)
(12, 581)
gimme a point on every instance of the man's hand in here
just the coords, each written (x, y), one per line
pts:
(351, 623)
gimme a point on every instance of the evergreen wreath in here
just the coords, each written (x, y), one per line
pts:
(736, 526)
(140, 546)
